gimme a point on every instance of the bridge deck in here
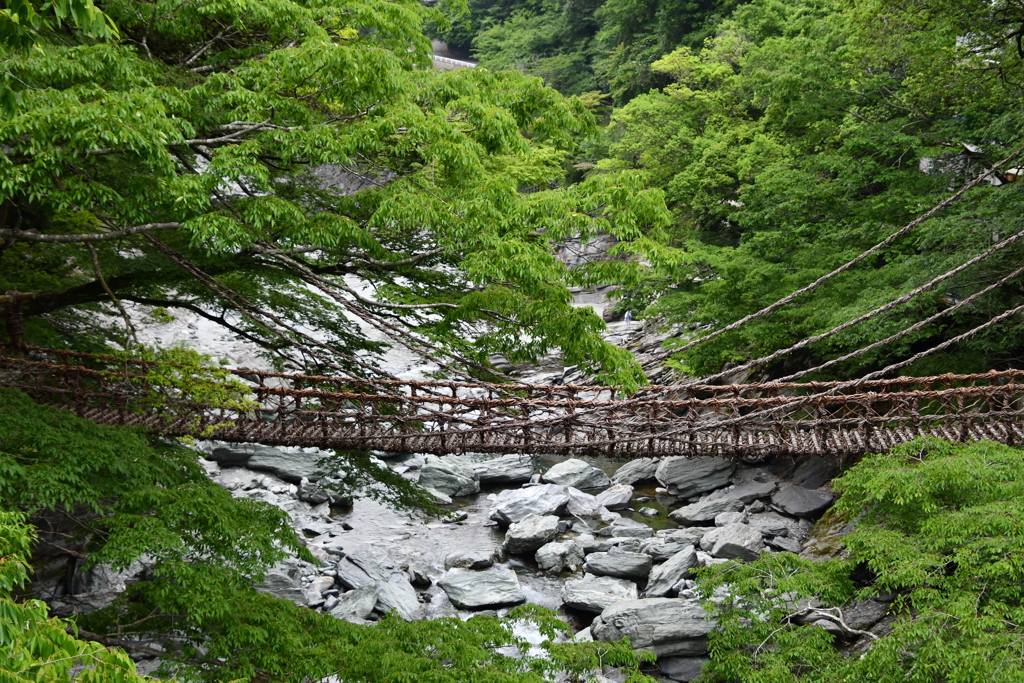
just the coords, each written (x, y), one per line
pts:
(456, 417)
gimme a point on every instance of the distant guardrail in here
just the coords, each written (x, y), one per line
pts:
(453, 63)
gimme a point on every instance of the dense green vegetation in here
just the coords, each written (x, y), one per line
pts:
(788, 136)
(938, 535)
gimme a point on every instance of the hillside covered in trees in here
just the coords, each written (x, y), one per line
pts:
(788, 136)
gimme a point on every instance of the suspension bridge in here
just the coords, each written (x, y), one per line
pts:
(751, 420)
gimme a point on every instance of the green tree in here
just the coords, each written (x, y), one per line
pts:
(216, 128)
(794, 140)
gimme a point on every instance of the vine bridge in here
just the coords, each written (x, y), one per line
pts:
(441, 417)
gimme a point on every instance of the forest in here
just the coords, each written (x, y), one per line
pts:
(295, 175)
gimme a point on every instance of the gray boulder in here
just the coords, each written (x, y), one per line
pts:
(784, 543)
(704, 511)
(682, 669)
(625, 526)
(801, 502)
(576, 473)
(664, 577)
(451, 475)
(687, 536)
(621, 564)
(284, 581)
(813, 472)
(590, 544)
(597, 593)
(636, 471)
(582, 504)
(373, 566)
(772, 523)
(730, 518)
(469, 559)
(686, 477)
(291, 466)
(661, 549)
(668, 627)
(233, 455)
(508, 469)
(512, 505)
(480, 590)
(557, 557)
(750, 491)
(616, 497)
(530, 533)
(356, 605)
(734, 542)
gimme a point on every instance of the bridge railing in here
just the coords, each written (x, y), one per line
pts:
(456, 417)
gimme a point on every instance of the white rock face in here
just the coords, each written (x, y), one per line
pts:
(477, 590)
(686, 477)
(583, 504)
(597, 593)
(734, 542)
(666, 626)
(616, 497)
(512, 505)
(556, 557)
(530, 533)
(576, 473)
(508, 469)
(450, 475)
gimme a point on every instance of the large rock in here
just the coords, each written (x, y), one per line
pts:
(751, 491)
(734, 542)
(284, 581)
(291, 466)
(704, 511)
(624, 526)
(801, 502)
(451, 475)
(772, 524)
(557, 557)
(665, 576)
(478, 590)
(661, 549)
(636, 471)
(683, 669)
(530, 533)
(469, 559)
(583, 504)
(356, 605)
(668, 627)
(512, 505)
(597, 593)
(616, 497)
(373, 566)
(621, 564)
(686, 536)
(687, 477)
(508, 469)
(576, 473)
(813, 472)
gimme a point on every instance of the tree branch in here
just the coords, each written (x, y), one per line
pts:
(29, 236)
